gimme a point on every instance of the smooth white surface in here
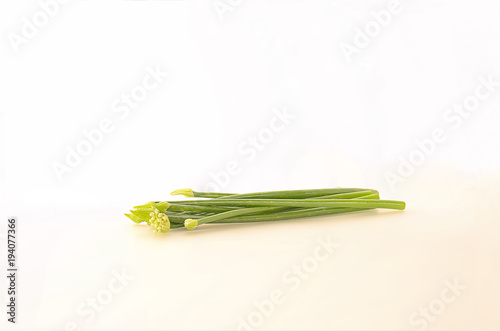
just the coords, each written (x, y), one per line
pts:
(351, 123)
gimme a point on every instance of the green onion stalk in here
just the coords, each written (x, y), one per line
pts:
(255, 207)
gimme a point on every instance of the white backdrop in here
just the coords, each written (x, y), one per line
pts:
(106, 105)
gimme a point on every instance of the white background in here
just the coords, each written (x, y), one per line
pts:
(353, 120)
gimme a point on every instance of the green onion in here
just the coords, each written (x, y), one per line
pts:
(297, 213)
(191, 224)
(293, 194)
(300, 203)
(255, 207)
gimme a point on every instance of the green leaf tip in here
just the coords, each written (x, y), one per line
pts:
(190, 224)
(146, 205)
(134, 218)
(162, 206)
(187, 192)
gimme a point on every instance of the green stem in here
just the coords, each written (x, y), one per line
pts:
(193, 223)
(189, 193)
(349, 195)
(300, 203)
(307, 194)
(311, 212)
(176, 225)
(291, 215)
(202, 219)
(197, 208)
(290, 194)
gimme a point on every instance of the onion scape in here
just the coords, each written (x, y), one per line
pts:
(216, 208)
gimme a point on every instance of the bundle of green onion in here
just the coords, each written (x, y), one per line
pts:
(255, 207)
